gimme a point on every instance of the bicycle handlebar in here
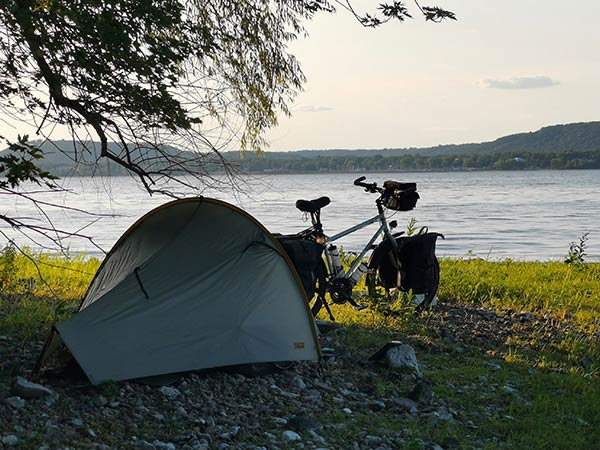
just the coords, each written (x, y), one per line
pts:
(369, 187)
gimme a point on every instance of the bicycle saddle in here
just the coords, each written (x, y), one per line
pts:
(311, 206)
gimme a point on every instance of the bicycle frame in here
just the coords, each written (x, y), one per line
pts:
(383, 228)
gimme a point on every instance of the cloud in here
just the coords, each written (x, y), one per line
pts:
(313, 108)
(519, 83)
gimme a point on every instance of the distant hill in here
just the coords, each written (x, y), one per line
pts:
(582, 136)
(569, 146)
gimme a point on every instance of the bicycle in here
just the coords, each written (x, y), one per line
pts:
(406, 263)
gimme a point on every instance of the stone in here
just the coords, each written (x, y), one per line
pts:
(298, 383)
(493, 365)
(347, 411)
(302, 423)
(441, 415)
(421, 393)
(316, 437)
(402, 357)
(11, 440)
(291, 436)
(16, 402)
(77, 422)
(170, 392)
(406, 404)
(376, 405)
(26, 389)
(158, 445)
(144, 445)
(372, 441)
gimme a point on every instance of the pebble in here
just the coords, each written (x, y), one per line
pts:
(11, 440)
(26, 389)
(170, 392)
(16, 402)
(291, 436)
(373, 440)
(376, 405)
(347, 411)
(298, 383)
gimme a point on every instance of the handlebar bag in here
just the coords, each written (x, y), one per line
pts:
(306, 257)
(399, 196)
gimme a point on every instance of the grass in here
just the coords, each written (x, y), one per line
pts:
(562, 289)
(531, 392)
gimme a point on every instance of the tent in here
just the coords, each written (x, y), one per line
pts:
(195, 283)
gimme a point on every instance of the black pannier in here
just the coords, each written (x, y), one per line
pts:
(306, 257)
(399, 196)
(419, 267)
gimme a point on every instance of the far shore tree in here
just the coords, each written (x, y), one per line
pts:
(158, 87)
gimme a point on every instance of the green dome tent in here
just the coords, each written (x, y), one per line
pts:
(194, 284)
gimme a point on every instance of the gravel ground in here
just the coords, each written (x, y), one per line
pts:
(344, 402)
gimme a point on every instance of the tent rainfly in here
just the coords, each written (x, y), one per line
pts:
(194, 284)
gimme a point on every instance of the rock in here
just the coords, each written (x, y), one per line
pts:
(441, 415)
(16, 402)
(170, 392)
(580, 421)
(280, 421)
(163, 445)
(291, 436)
(326, 327)
(347, 411)
(402, 357)
(406, 404)
(312, 395)
(451, 443)
(26, 389)
(11, 440)
(316, 437)
(144, 445)
(376, 405)
(298, 383)
(76, 422)
(372, 441)
(301, 423)
(493, 365)
(421, 393)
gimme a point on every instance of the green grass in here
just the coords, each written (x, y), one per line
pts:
(556, 403)
(563, 289)
(37, 290)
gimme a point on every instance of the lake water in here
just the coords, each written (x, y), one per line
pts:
(495, 215)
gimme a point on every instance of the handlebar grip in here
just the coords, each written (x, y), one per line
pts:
(358, 180)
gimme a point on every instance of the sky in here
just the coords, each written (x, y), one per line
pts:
(502, 68)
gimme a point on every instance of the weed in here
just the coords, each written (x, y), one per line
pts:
(577, 250)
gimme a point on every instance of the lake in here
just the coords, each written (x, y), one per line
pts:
(494, 215)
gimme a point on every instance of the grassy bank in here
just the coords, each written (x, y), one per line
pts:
(513, 352)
